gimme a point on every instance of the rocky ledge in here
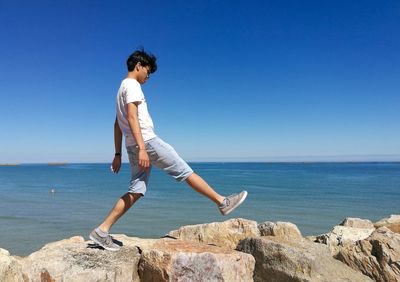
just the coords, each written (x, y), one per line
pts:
(233, 250)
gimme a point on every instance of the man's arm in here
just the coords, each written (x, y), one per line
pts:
(133, 121)
(116, 164)
(117, 137)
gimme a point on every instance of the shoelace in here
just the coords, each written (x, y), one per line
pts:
(227, 202)
(233, 196)
(109, 240)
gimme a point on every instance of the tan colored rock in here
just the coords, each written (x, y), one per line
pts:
(61, 243)
(281, 260)
(223, 234)
(10, 269)
(342, 236)
(393, 223)
(142, 244)
(378, 256)
(177, 260)
(357, 223)
(76, 260)
(281, 229)
(311, 238)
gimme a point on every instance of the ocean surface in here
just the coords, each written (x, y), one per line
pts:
(314, 196)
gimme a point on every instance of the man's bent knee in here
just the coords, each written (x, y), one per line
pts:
(132, 197)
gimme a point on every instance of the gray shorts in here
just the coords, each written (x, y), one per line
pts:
(161, 155)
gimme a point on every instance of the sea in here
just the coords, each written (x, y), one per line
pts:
(41, 203)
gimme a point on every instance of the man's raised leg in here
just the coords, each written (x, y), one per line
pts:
(225, 204)
(198, 184)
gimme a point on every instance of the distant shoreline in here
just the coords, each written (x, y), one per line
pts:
(57, 163)
(49, 164)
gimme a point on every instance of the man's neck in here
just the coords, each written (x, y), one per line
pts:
(132, 75)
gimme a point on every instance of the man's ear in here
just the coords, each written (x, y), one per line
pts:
(138, 64)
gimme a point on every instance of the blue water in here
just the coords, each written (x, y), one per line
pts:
(314, 196)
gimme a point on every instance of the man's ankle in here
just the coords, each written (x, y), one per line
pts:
(221, 201)
(101, 232)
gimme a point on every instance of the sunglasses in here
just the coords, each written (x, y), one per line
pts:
(148, 71)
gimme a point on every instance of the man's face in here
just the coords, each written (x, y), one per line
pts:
(144, 74)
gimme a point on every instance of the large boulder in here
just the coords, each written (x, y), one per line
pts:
(342, 236)
(357, 223)
(177, 260)
(283, 260)
(75, 260)
(378, 256)
(393, 223)
(135, 242)
(281, 229)
(10, 269)
(223, 234)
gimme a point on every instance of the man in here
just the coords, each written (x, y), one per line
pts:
(145, 149)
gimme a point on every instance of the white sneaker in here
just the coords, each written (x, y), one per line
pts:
(232, 202)
(105, 242)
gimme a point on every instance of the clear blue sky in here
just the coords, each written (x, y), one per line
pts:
(237, 80)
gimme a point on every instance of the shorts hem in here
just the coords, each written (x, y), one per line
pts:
(133, 192)
(181, 179)
(137, 192)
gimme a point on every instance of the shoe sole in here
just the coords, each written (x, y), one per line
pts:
(237, 204)
(101, 245)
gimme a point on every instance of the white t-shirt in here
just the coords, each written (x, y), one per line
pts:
(130, 92)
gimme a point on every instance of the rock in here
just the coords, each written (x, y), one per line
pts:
(357, 223)
(286, 230)
(342, 236)
(311, 238)
(142, 244)
(177, 260)
(393, 223)
(223, 234)
(211, 252)
(10, 269)
(278, 259)
(378, 256)
(75, 260)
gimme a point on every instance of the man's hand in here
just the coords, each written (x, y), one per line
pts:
(116, 164)
(144, 161)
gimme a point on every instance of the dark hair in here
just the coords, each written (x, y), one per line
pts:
(145, 59)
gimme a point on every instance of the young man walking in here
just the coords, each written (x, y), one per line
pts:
(145, 149)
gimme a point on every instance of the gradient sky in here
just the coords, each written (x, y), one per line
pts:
(237, 80)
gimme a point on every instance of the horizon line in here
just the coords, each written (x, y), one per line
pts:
(271, 159)
(210, 161)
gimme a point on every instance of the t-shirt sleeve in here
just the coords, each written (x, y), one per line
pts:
(133, 93)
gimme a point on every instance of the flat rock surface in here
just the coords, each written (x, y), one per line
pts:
(177, 260)
(281, 229)
(342, 236)
(10, 269)
(392, 222)
(378, 256)
(223, 234)
(357, 223)
(278, 260)
(76, 260)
